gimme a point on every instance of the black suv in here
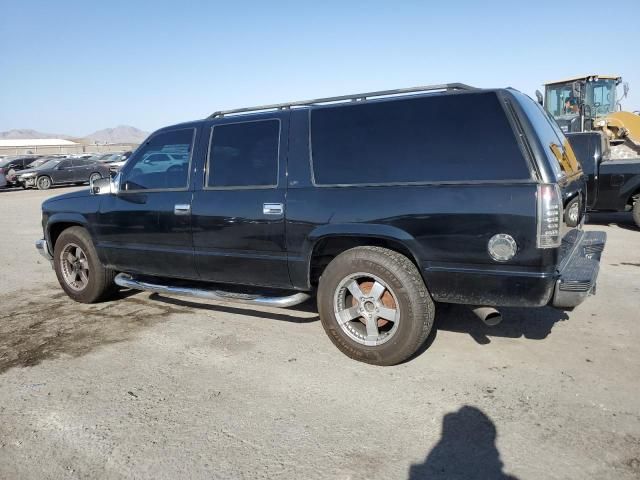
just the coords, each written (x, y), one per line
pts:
(383, 203)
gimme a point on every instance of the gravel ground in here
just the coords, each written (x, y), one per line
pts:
(150, 386)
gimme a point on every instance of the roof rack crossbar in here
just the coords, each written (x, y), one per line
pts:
(354, 97)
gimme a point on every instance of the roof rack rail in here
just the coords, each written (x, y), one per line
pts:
(354, 97)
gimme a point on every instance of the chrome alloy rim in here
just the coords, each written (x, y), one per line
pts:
(573, 213)
(74, 266)
(366, 309)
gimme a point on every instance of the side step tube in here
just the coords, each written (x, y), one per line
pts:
(128, 281)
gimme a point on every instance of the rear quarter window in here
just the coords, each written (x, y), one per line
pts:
(557, 148)
(439, 138)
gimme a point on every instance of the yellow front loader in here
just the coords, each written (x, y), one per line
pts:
(590, 102)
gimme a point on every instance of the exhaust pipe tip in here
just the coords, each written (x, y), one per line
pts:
(489, 315)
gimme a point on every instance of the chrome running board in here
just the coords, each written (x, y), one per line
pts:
(128, 281)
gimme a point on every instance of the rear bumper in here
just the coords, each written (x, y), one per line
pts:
(579, 271)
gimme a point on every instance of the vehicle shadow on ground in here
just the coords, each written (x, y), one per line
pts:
(466, 449)
(530, 323)
(613, 219)
(306, 307)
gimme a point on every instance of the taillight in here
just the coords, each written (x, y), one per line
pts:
(549, 216)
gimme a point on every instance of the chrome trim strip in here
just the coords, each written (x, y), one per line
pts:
(128, 281)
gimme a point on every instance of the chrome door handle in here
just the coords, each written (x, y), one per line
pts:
(182, 209)
(272, 208)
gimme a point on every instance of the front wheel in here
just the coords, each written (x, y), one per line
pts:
(374, 305)
(94, 177)
(43, 183)
(572, 212)
(78, 268)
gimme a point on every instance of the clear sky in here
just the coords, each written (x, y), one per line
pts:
(77, 66)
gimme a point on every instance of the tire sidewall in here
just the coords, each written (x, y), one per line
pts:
(79, 236)
(411, 322)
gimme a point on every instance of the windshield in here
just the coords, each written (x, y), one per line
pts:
(38, 162)
(111, 158)
(560, 100)
(601, 96)
(50, 163)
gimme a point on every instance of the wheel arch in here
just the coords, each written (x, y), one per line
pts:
(59, 222)
(328, 241)
(635, 195)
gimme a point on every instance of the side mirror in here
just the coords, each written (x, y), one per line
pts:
(539, 97)
(105, 186)
(575, 89)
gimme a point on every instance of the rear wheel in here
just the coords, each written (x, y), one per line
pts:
(374, 305)
(43, 183)
(78, 268)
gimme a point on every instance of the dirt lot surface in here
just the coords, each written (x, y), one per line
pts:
(149, 386)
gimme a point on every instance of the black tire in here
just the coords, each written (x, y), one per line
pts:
(95, 176)
(43, 183)
(572, 212)
(416, 308)
(99, 285)
(636, 211)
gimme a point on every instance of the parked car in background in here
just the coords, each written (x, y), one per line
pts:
(10, 166)
(117, 165)
(100, 157)
(59, 171)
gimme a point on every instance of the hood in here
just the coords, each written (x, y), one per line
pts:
(67, 196)
(27, 170)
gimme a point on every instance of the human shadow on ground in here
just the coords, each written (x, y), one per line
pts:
(466, 450)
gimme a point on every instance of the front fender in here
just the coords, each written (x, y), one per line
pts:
(630, 188)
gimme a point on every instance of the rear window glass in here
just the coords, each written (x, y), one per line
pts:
(244, 154)
(558, 149)
(463, 137)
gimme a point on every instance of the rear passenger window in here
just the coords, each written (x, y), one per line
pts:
(161, 163)
(244, 154)
(428, 139)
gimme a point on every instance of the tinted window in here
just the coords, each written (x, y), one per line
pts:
(437, 138)
(244, 154)
(548, 132)
(65, 164)
(161, 163)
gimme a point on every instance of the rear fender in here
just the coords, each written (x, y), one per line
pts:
(300, 273)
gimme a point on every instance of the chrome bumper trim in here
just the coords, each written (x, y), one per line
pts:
(43, 248)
